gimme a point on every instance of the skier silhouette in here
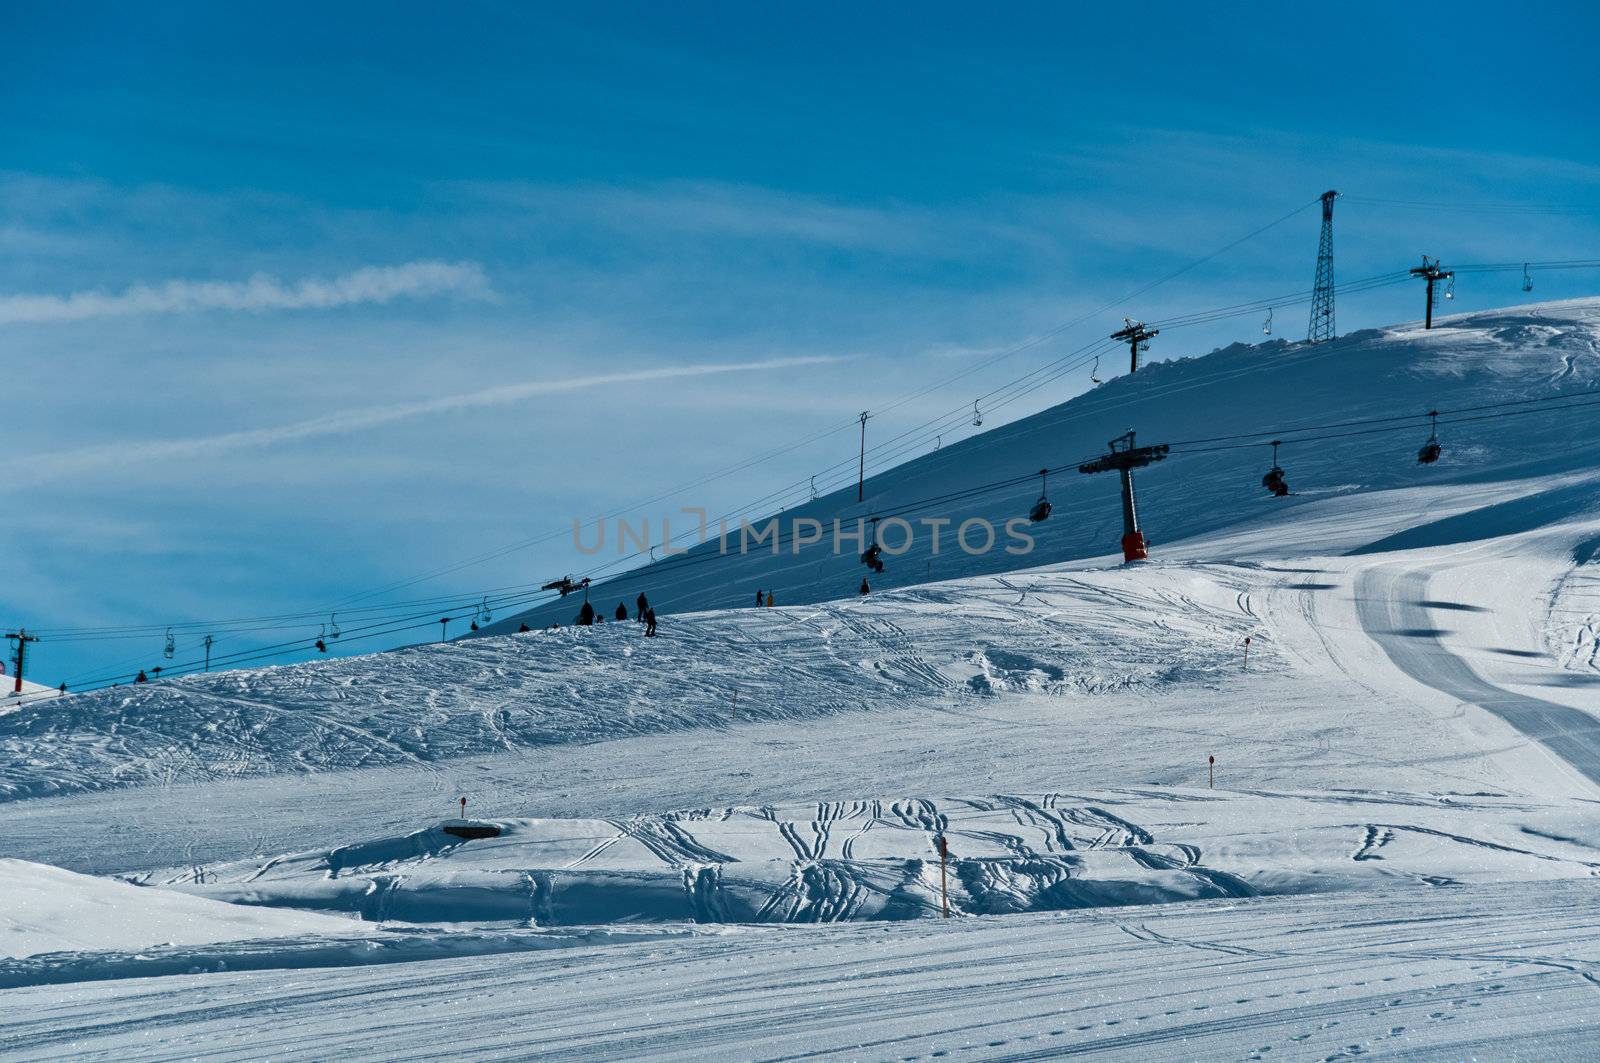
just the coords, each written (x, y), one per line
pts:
(642, 606)
(759, 600)
(622, 612)
(650, 621)
(586, 615)
(866, 588)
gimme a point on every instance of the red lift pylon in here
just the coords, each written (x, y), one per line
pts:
(1124, 458)
(21, 638)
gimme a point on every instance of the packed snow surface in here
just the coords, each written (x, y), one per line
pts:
(1395, 851)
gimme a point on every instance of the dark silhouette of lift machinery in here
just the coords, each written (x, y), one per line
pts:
(1125, 457)
(1321, 326)
(1430, 272)
(1137, 337)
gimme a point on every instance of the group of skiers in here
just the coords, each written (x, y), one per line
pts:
(645, 615)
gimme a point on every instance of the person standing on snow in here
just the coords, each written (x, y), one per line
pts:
(769, 599)
(759, 600)
(650, 621)
(622, 611)
(586, 615)
(642, 604)
(866, 588)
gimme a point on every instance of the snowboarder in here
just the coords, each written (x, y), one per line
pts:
(642, 606)
(586, 615)
(622, 611)
(759, 600)
(650, 621)
(866, 588)
(523, 630)
(141, 677)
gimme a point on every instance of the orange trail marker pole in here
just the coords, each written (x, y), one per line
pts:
(1211, 772)
(1247, 653)
(944, 882)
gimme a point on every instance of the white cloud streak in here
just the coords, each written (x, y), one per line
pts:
(53, 466)
(371, 284)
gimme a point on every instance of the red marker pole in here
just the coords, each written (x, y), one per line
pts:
(1211, 772)
(463, 808)
(944, 882)
(1247, 653)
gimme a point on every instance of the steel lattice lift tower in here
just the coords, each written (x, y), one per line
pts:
(1321, 327)
(1124, 458)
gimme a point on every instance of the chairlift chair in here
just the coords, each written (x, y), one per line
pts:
(1266, 327)
(1450, 289)
(872, 556)
(1274, 480)
(170, 648)
(1041, 509)
(1527, 279)
(333, 626)
(1431, 449)
(1094, 372)
(977, 415)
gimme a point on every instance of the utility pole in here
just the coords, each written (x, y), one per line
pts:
(1430, 272)
(1137, 337)
(206, 642)
(21, 638)
(1321, 327)
(1124, 458)
(861, 470)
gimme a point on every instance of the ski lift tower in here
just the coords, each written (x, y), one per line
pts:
(1137, 337)
(1430, 272)
(1321, 327)
(1124, 458)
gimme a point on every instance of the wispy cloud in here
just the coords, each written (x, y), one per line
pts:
(371, 284)
(53, 466)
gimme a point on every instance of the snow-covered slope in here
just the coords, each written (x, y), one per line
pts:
(1262, 392)
(1399, 853)
(1090, 633)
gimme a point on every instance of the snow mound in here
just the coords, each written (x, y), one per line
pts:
(837, 861)
(49, 910)
(1098, 632)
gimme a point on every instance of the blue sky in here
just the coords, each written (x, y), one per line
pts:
(516, 264)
